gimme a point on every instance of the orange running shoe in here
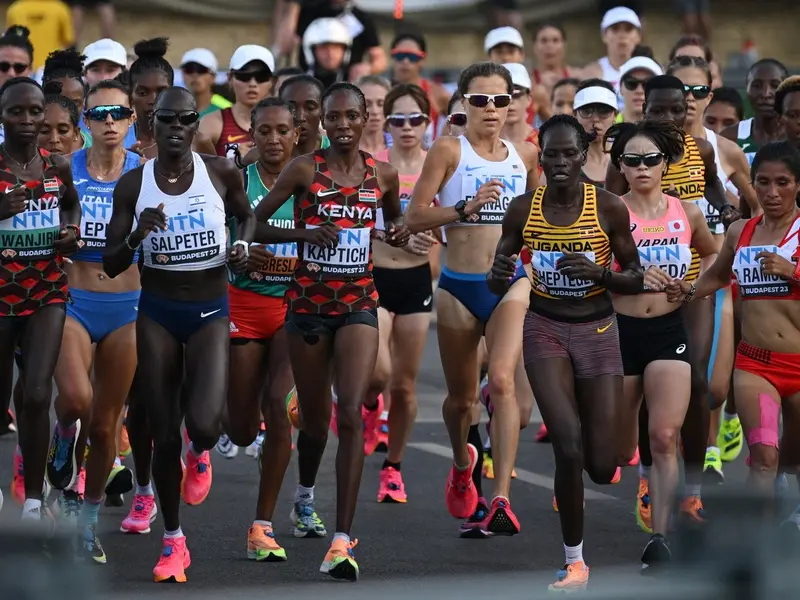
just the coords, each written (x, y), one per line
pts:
(692, 510)
(643, 512)
(197, 478)
(124, 442)
(635, 460)
(617, 476)
(461, 496)
(340, 563)
(262, 546)
(573, 578)
(174, 561)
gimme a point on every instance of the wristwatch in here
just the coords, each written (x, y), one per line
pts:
(460, 207)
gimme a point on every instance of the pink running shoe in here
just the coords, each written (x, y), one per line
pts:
(502, 520)
(461, 496)
(143, 513)
(335, 419)
(81, 483)
(197, 478)
(635, 460)
(542, 437)
(174, 561)
(617, 476)
(391, 487)
(371, 420)
(18, 480)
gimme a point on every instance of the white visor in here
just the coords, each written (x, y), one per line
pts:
(595, 95)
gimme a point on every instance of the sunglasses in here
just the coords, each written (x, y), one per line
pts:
(412, 57)
(185, 117)
(458, 119)
(414, 119)
(482, 100)
(195, 69)
(262, 76)
(117, 113)
(632, 84)
(602, 111)
(700, 92)
(519, 93)
(18, 68)
(651, 159)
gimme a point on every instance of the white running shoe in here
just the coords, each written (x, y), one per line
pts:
(226, 447)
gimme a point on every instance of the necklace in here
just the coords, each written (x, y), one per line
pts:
(178, 176)
(102, 177)
(23, 165)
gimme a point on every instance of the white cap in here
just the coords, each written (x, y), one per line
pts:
(595, 95)
(620, 14)
(201, 56)
(640, 62)
(249, 53)
(519, 75)
(106, 49)
(502, 35)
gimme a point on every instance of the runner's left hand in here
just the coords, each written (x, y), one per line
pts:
(577, 266)
(67, 242)
(237, 259)
(397, 236)
(775, 264)
(729, 214)
(656, 280)
(420, 244)
(257, 261)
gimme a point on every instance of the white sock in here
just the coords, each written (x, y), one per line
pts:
(146, 490)
(726, 416)
(712, 449)
(573, 554)
(334, 397)
(30, 506)
(341, 536)
(691, 489)
(644, 471)
(487, 445)
(258, 523)
(304, 493)
(173, 534)
(117, 461)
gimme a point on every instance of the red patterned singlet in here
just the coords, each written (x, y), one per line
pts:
(337, 281)
(30, 271)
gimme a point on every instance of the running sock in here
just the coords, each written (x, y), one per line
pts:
(304, 494)
(573, 554)
(385, 415)
(341, 536)
(692, 489)
(395, 466)
(30, 505)
(66, 431)
(644, 471)
(145, 490)
(726, 416)
(117, 462)
(474, 438)
(712, 449)
(173, 534)
(90, 512)
(258, 523)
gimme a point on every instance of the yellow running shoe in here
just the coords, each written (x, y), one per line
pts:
(339, 562)
(644, 517)
(488, 467)
(712, 468)
(730, 439)
(261, 544)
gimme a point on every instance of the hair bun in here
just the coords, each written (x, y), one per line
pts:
(53, 87)
(154, 48)
(18, 31)
(66, 60)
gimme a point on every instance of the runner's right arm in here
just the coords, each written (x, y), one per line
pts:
(509, 245)
(121, 244)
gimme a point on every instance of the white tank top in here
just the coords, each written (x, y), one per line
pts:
(473, 171)
(195, 236)
(612, 76)
(712, 214)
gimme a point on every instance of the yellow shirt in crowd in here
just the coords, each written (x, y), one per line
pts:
(50, 23)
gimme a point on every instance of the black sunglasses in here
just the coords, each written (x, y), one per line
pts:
(414, 119)
(195, 69)
(650, 159)
(482, 100)
(603, 111)
(261, 76)
(5, 67)
(459, 119)
(100, 113)
(700, 92)
(185, 117)
(631, 83)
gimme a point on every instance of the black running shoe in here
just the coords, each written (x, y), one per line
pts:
(657, 553)
(62, 464)
(477, 525)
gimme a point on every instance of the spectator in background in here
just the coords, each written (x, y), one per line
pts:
(634, 75)
(696, 17)
(105, 11)
(366, 45)
(694, 45)
(105, 59)
(725, 110)
(563, 96)
(549, 49)
(282, 75)
(199, 69)
(49, 26)
(327, 48)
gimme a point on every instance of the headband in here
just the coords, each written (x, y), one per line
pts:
(595, 95)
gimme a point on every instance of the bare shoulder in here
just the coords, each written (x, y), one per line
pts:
(528, 152)
(219, 164)
(606, 201)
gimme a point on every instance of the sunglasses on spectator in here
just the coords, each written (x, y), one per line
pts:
(632, 84)
(651, 159)
(262, 76)
(482, 100)
(459, 119)
(700, 92)
(195, 69)
(185, 117)
(414, 119)
(412, 57)
(18, 68)
(101, 113)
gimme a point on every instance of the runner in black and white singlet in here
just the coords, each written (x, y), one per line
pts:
(180, 202)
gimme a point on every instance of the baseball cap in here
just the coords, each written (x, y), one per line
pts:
(620, 14)
(640, 62)
(519, 75)
(502, 35)
(106, 49)
(201, 56)
(249, 53)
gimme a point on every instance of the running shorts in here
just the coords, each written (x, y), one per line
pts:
(253, 316)
(404, 291)
(642, 341)
(311, 327)
(102, 313)
(780, 369)
(593, 346)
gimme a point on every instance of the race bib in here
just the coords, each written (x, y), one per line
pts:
(673, 259)
(350, 257)
(189, 238)
(493, 212)
(31, 233)
(751, 278)
(280, 266)
(711, 214)
(548, 279)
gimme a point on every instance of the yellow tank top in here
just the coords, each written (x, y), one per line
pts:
(689, 178)
(548, 243)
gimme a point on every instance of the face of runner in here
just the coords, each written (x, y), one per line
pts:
(776, 188)
(15, 62)
(635, 79)
(643, 178)
(506, 53)
(197, 78)
(761, 87)
(563, 99)
(519, 105)
(407, 59)
(549, 46)
(100, 70)
(456, 123)
(666, 105)
(720, 115)
(110, 124)
(621, 39)
(699, 94)
(596, 119)
(251, 83)
(375, 95)
(175, 122)
(344, 118)
(562, 156)
(407, 123)
(146, 88)
(275, 135)
(305, 99)
(58, 134)
(791, 117)
(486, 120)
(22, 112)
(72, 89)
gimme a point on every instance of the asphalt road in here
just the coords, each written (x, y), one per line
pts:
(403, 549)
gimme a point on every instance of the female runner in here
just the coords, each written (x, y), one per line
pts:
(375, 89)
(595, 107)
(549, 48)
(66, 68)
(476, 176)
(653, 339)
(102, 312)
(332, 314)
(571, 342)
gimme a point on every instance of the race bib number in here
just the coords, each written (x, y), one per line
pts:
(751, 278)
(188, 239)
(711, 214)
(350, 257)
(280, 266)
(31, 233)
(493, 212)
(550, 280)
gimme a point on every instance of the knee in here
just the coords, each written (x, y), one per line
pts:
(75, 396)
(718, 393)
(349, 415)
(568, 450)
(663, 440)
(460, 402)
(601, 469)
(380, 377)
(402, 391)
(501, 385)
(37, 398)
(242, 435)
(699, 393)
(764, 458)
(525, 411)
(203, 430)
(103, 433)
(275, 416)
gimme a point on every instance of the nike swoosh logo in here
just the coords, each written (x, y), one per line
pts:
(203, 315)
(327, 193)
(79, 181)
(468, 169)
(603, 329)
(236, 138)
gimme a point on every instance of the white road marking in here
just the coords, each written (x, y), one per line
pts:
(541, 481)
